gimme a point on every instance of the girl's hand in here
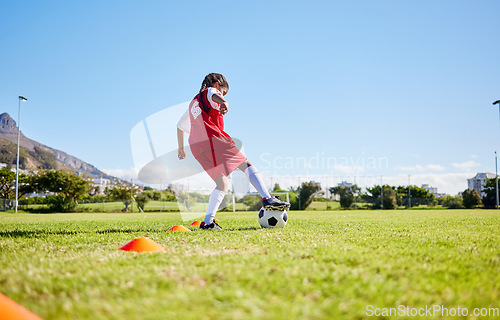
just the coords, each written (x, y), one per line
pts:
(181, 153)
(224, 106)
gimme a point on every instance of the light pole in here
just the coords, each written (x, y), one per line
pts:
(409, 193)
(497, 102)
(381, 194)
(496, 177)
(496, 170)
(21, 98)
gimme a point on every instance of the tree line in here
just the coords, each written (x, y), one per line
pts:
(64, 190)
(391, 197)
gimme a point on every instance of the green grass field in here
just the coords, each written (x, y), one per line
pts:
(323, 265)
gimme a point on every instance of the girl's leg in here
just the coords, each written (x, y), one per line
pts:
(255, 179)
(216, 198)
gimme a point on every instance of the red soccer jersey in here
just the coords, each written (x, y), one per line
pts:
(205, 124)
(210, 144)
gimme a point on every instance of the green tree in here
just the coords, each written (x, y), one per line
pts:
(471, 198)
(141, 200)
(65, 184)
(374, 196)
(68, 186)
(490, 198)
(7, 180)
(168, 195)
(8, 185)
(453, 202)
(306, 193)
(122, 193)
(27, 184)
(419, 196)
(390, 201)
(152, 194)
(254, 203)
(346, 193)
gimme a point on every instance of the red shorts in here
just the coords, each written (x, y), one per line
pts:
(219, 157)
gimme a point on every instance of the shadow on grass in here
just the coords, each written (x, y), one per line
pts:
(93, 211)
(243, 228)
(35, 233)
(36, 211)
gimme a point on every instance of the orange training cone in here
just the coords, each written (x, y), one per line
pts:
(196, 224)
(179, 228)
(11, 310)
(142, 245)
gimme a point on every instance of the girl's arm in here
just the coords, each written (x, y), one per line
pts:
(184, 125)
(180, 142)
(223, 103)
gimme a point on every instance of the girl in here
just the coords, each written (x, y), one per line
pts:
(214, 149)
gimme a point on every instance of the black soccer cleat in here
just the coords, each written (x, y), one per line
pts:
(212, 226)
(274, 203)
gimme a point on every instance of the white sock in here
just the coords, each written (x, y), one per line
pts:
(255, 179)
(213, 205)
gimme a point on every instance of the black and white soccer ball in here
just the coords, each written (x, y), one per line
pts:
(272, 218)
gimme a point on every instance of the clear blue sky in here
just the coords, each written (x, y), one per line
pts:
(408, 83)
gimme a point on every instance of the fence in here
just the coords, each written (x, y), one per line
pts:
(198, 203)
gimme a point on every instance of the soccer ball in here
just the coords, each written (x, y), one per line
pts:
(272, 218)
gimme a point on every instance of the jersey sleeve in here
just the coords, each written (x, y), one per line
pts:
(184, 123)
(210, 92)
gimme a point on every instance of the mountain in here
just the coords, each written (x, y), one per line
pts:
(34, 155)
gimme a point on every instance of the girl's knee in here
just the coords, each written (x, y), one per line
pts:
(244, 165)
(222, 183)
